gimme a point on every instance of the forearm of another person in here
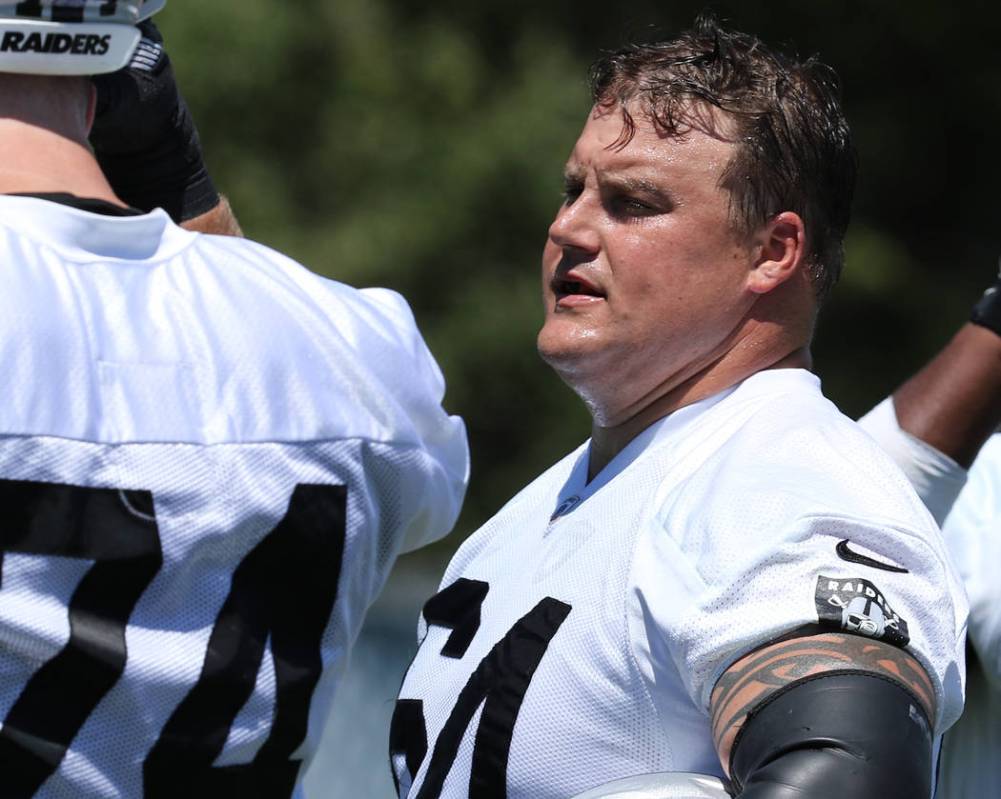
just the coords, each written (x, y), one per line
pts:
(147, 144)
(936, 422)
(937, 478)
(219, 221)
(954, 402)
(826, 716)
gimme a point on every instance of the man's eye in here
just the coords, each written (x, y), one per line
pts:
(570, 193)
(630, 206)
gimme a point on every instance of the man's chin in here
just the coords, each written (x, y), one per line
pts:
(578, 362)
(567, 339)
(563, 356)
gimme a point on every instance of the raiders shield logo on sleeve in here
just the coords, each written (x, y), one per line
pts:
(857, 606)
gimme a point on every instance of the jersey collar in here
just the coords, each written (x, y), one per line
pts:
(89, 204)
(576, 490)
(663, 432)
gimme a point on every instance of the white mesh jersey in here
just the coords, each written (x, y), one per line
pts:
(209, 460)
(971, 751)
(578, 635)
(971, 766)
(973, 533)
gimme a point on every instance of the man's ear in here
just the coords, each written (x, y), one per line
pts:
(781, 248)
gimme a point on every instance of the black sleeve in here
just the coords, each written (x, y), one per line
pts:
(145, 138)
(835, 736)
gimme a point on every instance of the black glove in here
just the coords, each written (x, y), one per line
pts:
(145, 139)
(987, 312)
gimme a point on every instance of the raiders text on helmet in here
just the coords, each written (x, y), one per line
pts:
(70, 37)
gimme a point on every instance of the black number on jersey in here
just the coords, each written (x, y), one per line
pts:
(284, 589)
(457, 608)
(499, 683)
(96, 524)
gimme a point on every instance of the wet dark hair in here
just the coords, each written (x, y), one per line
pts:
(793, 147)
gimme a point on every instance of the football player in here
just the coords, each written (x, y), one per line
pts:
(729, 578)
(934, 426)
(209, 456)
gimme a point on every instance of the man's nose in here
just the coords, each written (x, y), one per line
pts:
(574, 227)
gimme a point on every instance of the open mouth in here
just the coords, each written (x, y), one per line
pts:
(570, 284)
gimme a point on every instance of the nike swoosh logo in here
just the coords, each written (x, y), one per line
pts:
(854, 557)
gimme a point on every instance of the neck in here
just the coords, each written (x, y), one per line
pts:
(607, 442)
(774, 335)
(68, 165)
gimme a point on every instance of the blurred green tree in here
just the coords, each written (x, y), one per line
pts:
(420, 147)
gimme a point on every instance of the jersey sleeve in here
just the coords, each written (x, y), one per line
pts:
(757, 552)
(411, 379)
(340, 363)
(936, 477)
(973, 534)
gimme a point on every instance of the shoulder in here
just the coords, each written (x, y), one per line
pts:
(789, 497)
(315, 326)
(790, 473)
(784, 449)
(246, 273)
(258, 348)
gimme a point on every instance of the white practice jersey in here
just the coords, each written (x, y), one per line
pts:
(936, 477)
(209, 460)
(578, 635)
(971, 751)
(973, 533)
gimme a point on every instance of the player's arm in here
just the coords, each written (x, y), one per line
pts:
(954, 402)
(148, 146)
(825, 716)
(219, 220)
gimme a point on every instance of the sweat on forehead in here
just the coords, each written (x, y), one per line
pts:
(695, 115)
(793, 148)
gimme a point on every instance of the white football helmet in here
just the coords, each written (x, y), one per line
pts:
(660, 786)
(70, 37)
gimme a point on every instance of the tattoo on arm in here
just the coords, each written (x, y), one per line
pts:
(755, 677)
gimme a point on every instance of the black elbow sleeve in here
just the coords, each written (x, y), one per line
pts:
(844, 735)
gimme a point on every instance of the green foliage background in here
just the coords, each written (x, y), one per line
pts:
(420, 147)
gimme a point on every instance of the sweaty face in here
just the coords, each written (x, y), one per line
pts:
(643, 276)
